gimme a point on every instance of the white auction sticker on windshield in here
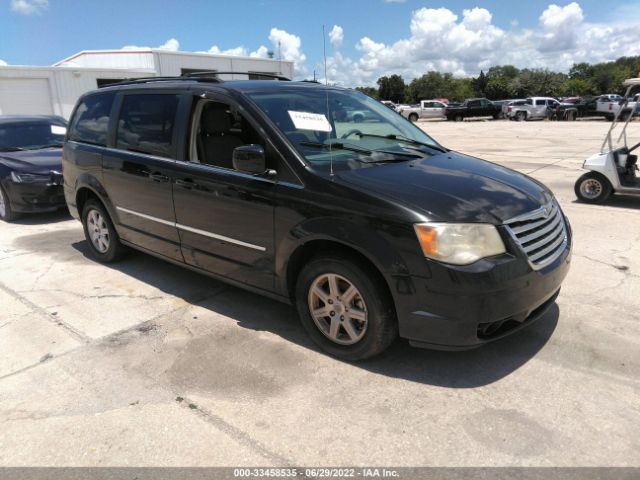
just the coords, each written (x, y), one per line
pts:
(58, 130)
(310, 121)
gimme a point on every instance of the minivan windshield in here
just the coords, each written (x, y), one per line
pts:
(31, 135)
(344, 127)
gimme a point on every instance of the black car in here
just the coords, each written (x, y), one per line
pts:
(371, 231)
(473, 107)
(30, 165)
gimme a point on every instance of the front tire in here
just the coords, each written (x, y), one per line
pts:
(593, 187)
(345, 308)
(104, 242)
(6, 212)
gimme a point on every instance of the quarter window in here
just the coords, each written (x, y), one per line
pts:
(146, 124)
(90, 122)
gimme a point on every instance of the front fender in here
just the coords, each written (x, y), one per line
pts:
(362, 236)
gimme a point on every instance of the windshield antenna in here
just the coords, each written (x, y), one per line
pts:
(326, 87)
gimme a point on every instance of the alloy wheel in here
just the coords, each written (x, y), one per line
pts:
(98, 231)
(338, 309)
(3, 205)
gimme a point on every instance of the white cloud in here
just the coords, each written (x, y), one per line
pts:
(172, 44)
(288, 47)
(439, 39)
(234, 52)
(336, 36)
(559, 27)
(3, 63)
(261, 52)
(283, 45)
(28, 7)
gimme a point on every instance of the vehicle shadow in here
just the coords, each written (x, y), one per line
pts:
(618, 201)
(60, 215)
(467, 369)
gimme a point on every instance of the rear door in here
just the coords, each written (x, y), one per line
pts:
(140, 165)
(225, 217)
(474, 108)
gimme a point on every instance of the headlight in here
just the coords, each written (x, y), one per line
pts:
(29, 178)
(459, 243)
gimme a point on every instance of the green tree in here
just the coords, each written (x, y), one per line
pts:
(499, 88)
(541, 82)
(506, 71)
(578, 87)
(429, 85)
(480, 84)
(372, 92)
(391, 88)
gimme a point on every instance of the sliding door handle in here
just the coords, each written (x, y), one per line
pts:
(185, 183)
(158, 177)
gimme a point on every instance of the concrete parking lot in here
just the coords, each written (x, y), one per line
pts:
(144, 363)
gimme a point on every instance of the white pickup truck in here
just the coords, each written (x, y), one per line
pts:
(538, 108)
(426, 109)
(609, 105)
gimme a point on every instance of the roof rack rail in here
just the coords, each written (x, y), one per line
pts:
(204, 73)
(133, 81)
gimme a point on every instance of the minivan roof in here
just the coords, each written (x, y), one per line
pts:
(237, 85)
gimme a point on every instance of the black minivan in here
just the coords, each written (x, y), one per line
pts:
(370, 227)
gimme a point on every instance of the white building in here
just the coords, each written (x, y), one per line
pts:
(54, 90)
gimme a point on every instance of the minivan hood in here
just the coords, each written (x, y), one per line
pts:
(453, 187)
(33, 161)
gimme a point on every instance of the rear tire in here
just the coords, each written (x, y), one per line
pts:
(6, 212)
(592, 187)
(335, 288)
(413, 118)
(104, 242)
(458, 118)
(521, 117)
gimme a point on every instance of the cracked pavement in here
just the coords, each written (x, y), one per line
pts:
(142, 363)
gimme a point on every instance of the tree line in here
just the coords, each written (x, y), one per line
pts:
(507, 81)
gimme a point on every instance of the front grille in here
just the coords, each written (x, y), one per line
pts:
(542, 234)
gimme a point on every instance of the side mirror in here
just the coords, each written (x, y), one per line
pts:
(249, 159)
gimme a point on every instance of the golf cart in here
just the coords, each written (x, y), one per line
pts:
(613, 170)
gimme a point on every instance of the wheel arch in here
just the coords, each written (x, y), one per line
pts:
(323, 246)
(87, 186)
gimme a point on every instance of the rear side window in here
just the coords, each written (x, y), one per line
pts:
(90, 123)
(146, 124)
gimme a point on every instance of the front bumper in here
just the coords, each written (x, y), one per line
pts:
(34, 197)
(460, 308)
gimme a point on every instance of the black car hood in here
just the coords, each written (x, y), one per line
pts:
(453, 187)
(33, 161)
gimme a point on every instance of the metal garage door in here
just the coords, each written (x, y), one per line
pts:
(25, 96)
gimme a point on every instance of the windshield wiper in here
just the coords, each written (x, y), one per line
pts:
(404, 139)
(337, 146)
(370, 153)
(51, 145)
(11, 149)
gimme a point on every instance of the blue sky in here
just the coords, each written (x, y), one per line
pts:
(377, 36)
